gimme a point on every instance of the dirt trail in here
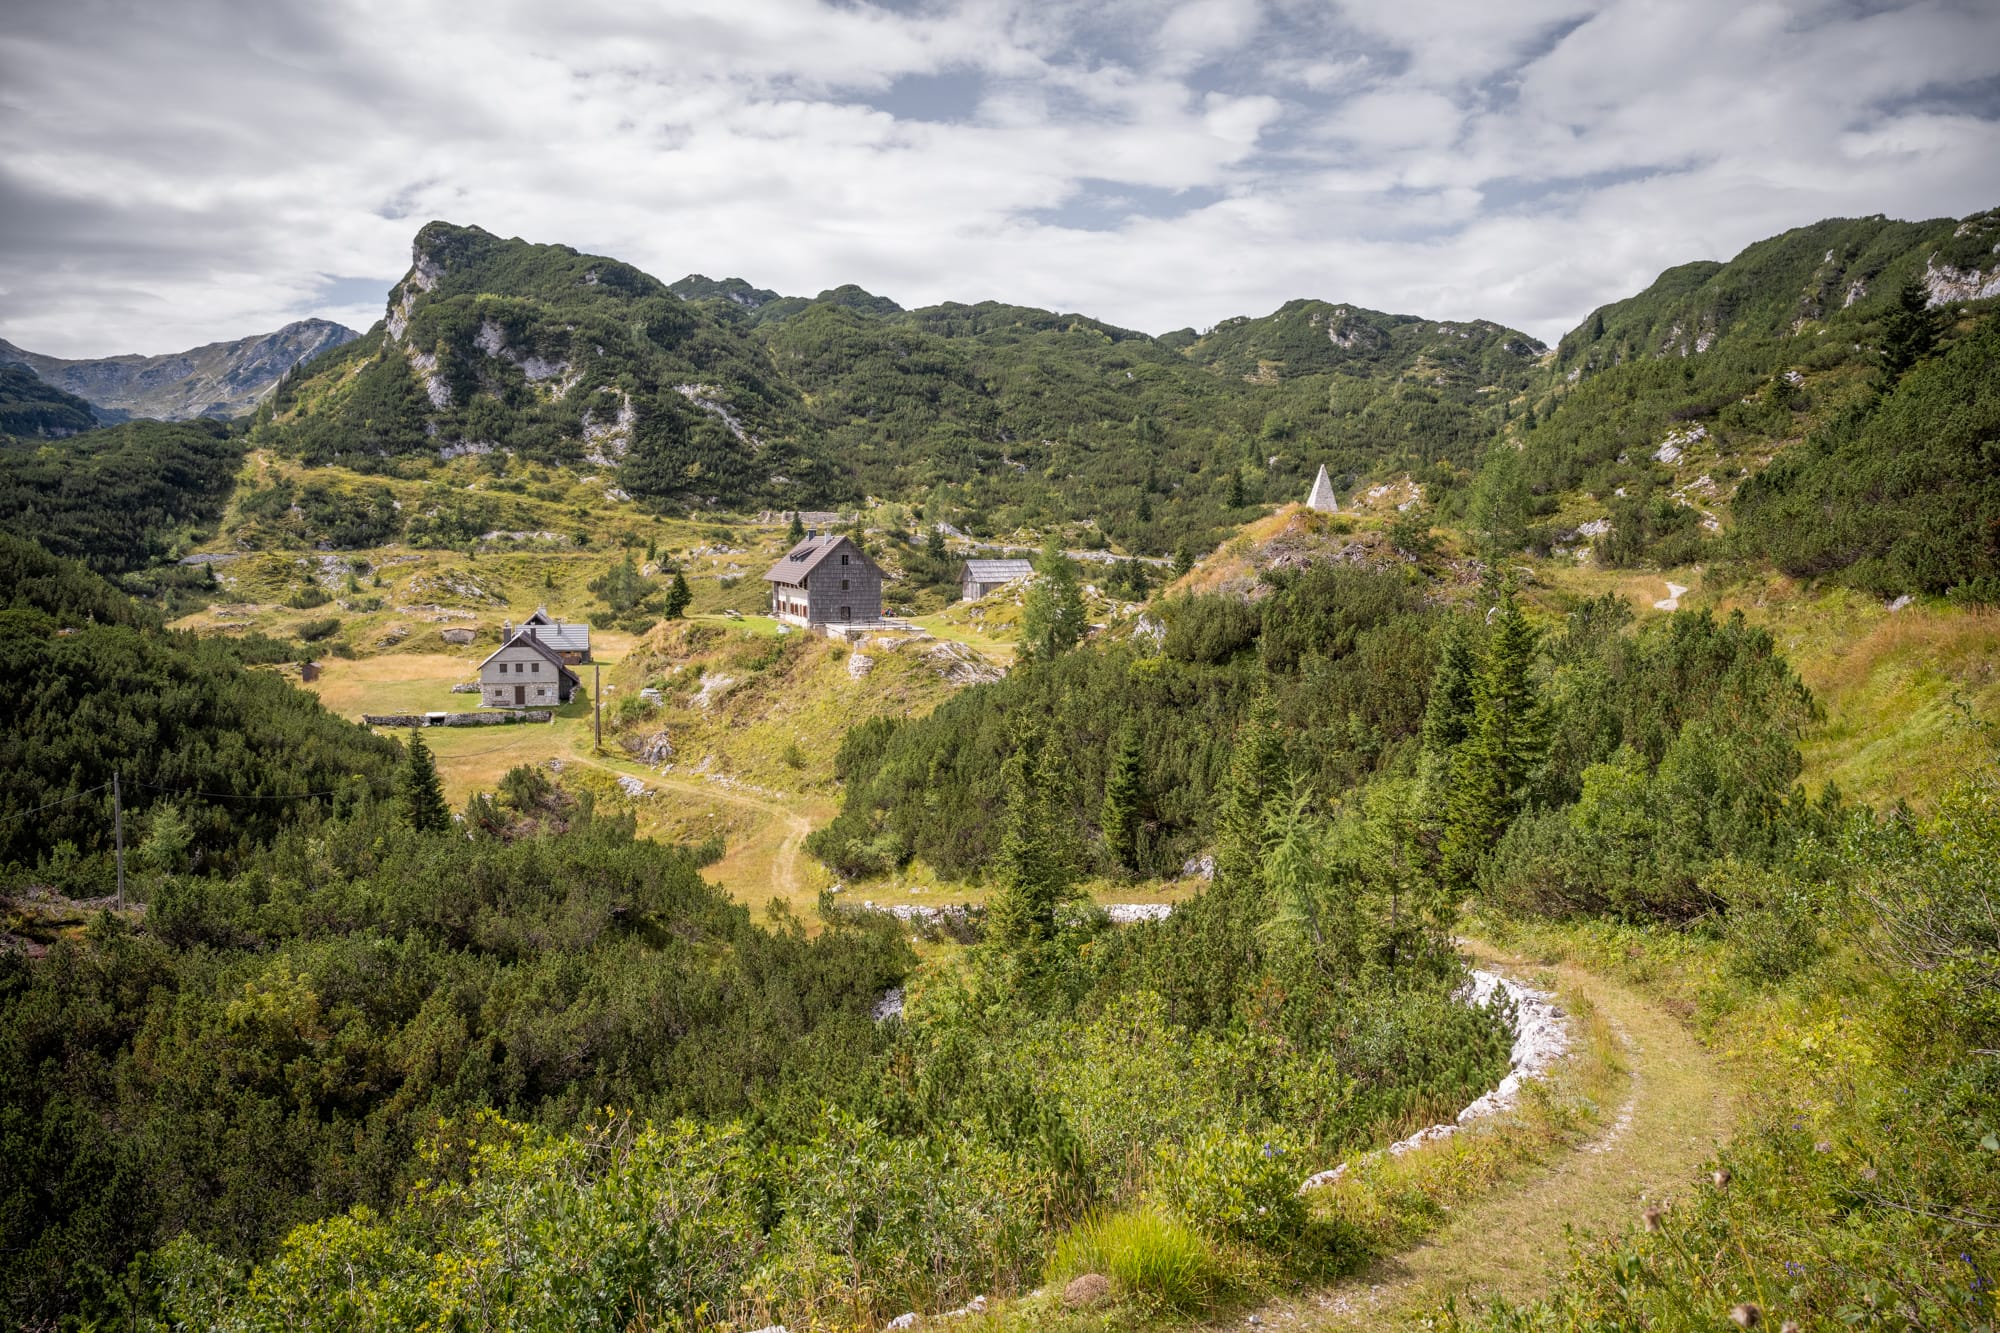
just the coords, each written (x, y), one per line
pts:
(757, 868)
(1677, 1110)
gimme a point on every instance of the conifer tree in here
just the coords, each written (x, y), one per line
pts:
(1124, 795)
(1235, 498)
(1052, 618)
(1449, 708)
(1037, 864)
(678, 596)
(422, 793)
(795, 532)
(1183, 560)
(1504, 740)
(934, 543)
(1909, 333)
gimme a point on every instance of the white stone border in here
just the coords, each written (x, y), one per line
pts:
(1541, 1038)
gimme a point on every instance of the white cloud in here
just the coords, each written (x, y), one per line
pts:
(173, 175)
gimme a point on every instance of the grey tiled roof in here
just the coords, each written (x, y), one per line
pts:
(998, 571)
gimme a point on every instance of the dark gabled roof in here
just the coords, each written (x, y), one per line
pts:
(522, 637)
(804, 558)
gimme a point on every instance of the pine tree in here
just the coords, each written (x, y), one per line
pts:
(1448, 711)
(1124, 796)
(678, 597)
(1235, 498)
(1490, 769)
(934, 543)
(795, 532)
(1037, 864)
(1909, 333)
(1145, 514)
(1183, 560)
(421, 791)
(1052, 618)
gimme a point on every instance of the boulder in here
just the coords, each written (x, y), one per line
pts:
(459, 635)
(1086, 1292)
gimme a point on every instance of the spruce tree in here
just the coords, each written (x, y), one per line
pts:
(1037, 864)
(421, 791)
(1491, 767)
(1235, 498)
(1223, 924)
(1448, 711)
(934, 543)
(1909, 333)
(1183, 560)
(795, 532)
(1124, 795)
(1052, 618)
(678, 596)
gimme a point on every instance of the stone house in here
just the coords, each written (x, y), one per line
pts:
(525, 672)
(825, 582)
(984, 576)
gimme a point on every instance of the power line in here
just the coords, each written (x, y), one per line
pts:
(23, 814)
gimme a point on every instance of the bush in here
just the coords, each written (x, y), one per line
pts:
(1149, 1253)
(308, 597)
(1237, 1185)
(312, 631)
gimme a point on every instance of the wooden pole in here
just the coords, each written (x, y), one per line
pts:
(118, 834)
(597, 706)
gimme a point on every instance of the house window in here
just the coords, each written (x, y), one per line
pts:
(843, 560)
(503, 668)
(847, 613)
(843, 585)
(535, 667)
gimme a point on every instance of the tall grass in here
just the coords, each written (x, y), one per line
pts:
(1149, 1253)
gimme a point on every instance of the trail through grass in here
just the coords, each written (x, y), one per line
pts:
(1678, 1108)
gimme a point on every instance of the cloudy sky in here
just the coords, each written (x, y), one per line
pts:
(179, 171)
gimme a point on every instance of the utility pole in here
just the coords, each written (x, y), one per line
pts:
(118, 833)
(597, 706)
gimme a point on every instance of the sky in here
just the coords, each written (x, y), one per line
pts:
(180, 172)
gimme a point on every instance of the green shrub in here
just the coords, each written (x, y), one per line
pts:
(1152, 1255)
(312, 631)
(1233, 1184)
(308, 597)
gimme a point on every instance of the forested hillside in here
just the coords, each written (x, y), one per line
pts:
(36, 410)
(993, 417)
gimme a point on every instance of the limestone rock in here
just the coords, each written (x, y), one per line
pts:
(459, 634)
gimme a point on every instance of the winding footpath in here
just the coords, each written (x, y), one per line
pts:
(1677, 1110)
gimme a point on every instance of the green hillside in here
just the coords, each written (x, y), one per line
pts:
(714, 395)
(29, 407)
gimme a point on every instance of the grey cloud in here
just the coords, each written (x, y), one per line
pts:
(175, 175)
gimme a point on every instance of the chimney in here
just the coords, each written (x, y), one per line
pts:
(506, 630)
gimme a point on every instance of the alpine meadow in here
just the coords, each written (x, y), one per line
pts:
(606, 803)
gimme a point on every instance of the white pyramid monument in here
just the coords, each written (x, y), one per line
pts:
(1322, 494)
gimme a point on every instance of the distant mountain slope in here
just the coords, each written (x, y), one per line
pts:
(1307, 336)
(224, 379)
(32, 409)
(1835, 273)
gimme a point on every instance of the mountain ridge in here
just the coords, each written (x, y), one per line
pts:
(219, 379)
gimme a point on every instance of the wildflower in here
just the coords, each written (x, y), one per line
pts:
(1721, 1178)
(1822, 1146)
(1746, 1315)
(1651, 1217)
(1868, 1174)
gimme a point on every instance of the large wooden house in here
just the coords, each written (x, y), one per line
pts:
(526, 671)
(826, 583)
